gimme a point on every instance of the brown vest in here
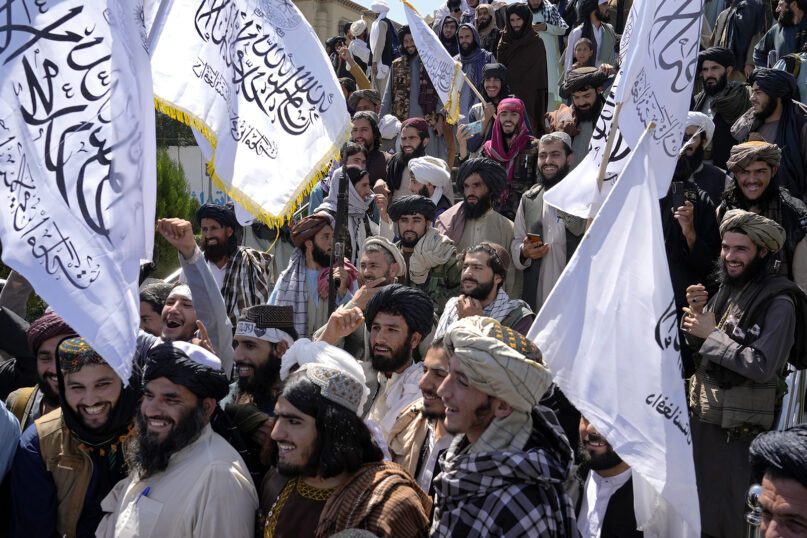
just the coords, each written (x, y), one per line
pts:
(70, 467)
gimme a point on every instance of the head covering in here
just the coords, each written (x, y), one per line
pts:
(182, 290)
(523, 11)
(379, 6)
(558, 135)
(720, 55)
(491, 172)
(431, 170)
(372, 118)
(75, 353)
(335, 385)
(271, 323)
(702, 121)
(358, 27)
(781, 452)
(188, 365)
(223, 214)
(494, 367)
(305, 352)
(420, 124)
(47, 326)
(390, 127)
(775, 82)
(756, 150)
(308, 227)
(368, 94)
(389, 246)
(582, 78)
(411, 303)
(496, 148)
(501, 252)
(410, 205)
(764, 232)
(494, 70)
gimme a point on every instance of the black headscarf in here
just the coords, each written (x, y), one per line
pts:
(411, 303)
(223, 214)
(585, 9)
(494, 70)
(410, 205)
(523, 11)
(720, 55)
(165, 360)
(775, 82)
(580, 79)
(781, 452)
(494, 176)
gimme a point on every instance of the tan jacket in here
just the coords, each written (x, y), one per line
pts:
(408, 435)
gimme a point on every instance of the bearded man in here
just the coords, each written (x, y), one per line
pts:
(177, 463)
(473, 58)
(594, 26)
(365, 131)
(584, 86)
(409, 91)
(414, 138)
(743, 336)
(787, 36)
(698, 134)
(243, 274)
(545, 238)
(431, 177)
(722, 99)
(778, 117)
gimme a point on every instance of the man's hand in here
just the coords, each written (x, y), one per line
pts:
(179, 233)
(382, 203)
(463, 135)
(698, 324)
(341, 323)
(345, 56)
(697, 296)
(366, 292)
(540, 27)
(341, 274)
(533, 251)
(468, 306)
(749, 68)
(203, 340)
(490, 112)
(685, 215)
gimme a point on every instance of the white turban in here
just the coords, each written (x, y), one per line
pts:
(305, 351)
(433, 171)
(389, 126)
(358, 27)
(183, 290)
(702, 121)
(379, 6)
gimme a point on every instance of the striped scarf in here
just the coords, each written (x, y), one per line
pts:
(247, 281)
(293, 291)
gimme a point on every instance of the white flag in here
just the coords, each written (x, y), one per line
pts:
(658, 60)
(444, 71)
(78, 163)
(253, 78)
(608, 331)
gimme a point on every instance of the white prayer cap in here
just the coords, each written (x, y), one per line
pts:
(183, 290)
(382, 242)
(305, 351)
(389, 126)
(358, 27)
(198, 354)
(431, 170)
(379, 6)
(701, 120)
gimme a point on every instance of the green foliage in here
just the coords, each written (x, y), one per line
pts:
(172, 133)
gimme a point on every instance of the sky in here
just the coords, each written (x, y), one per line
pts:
(396, 13)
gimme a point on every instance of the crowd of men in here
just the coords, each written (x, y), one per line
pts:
(390, 390)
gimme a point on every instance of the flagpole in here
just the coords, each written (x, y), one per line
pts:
(473, 88)
(157, 23)
(609, 144)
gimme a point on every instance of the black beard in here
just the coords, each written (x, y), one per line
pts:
(420, 151)
(409, 244)
(718, 87)
(696, 159)
(785, 18)
(215, 253)
(548, 183)
(263, 379)
(145, 456)
(476, 210)
(465, 50)
(754, 269)
(433, 416)
(480, 291)
(321, 258)
(394, 363)
(589, 114)
(768, 110)
(309, 469)
(408, 54)
(424, 191)
(682, 170)
(482, 25)
(600, 462)
(602, 17)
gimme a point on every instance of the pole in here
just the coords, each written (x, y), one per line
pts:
(338, 250)
(157, 24)
(609, 144)
(473, 88)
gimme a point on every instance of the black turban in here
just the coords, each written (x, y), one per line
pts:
(781, 454)
(720, 55)
(498, 71)
(494, 176)
(581, 79)
(411, 204)
(775, 82)
(223, 214)
(411, 303)
(165, 360)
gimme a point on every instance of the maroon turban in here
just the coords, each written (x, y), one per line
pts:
(45, 327)
(308, 227)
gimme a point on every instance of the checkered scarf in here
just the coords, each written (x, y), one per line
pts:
(507, 492)
(247, 281)
(293, 291)
(498, 310)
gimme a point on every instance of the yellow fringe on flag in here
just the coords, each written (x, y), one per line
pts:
(320, 169)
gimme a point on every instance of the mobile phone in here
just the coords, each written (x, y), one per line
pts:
(474, 128)
(678, 198)
(535, 238)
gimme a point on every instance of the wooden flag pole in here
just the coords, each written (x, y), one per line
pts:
(609, 144)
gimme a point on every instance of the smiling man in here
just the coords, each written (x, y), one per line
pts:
(755, 167)
(414, 138)
(71, 458)
(743, 337)
(330, 474)
(177, 463)
(503, 474)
